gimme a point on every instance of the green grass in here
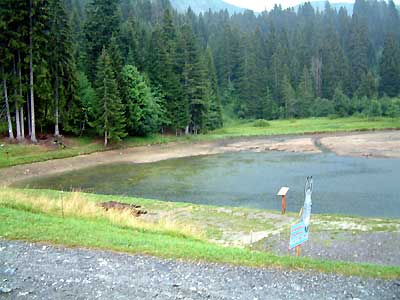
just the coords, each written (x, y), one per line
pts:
(36, 227)
(25, 221)
(302, 126)
(17, 154)
(12, 154)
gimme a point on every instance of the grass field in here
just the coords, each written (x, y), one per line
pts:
(74, 219)
(15, 154)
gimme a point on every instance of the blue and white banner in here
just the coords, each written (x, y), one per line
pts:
(298, 235)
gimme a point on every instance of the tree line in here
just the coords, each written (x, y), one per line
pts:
(134, 67)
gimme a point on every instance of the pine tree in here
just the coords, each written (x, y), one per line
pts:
(142, 111)
(289, 99)
(389, 68)
(38, 39)
(80, 111)
(342, 102)
(117, 62)
(333, 64)
(108, 110)
(305, 94)
(102, 20)
(61, 63)
(359, 47)
(215, 119)
(193, 80)
(368, 86)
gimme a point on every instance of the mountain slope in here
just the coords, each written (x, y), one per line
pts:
(199, 6)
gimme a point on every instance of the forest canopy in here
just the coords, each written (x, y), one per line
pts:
(135, 67)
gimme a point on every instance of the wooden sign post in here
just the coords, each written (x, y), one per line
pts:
(299, 232)
(283, 192)
(298, 236)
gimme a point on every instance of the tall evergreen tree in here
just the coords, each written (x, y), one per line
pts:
(142, 111)
(102, 20)
(108, 110)
(389, 68)
(359, 49)
(61, 61)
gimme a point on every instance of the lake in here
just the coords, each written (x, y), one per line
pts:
(342, 185)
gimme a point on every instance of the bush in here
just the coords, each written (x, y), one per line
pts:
(390, 107)
(374, 109)
(3, 128)
(322, 108)
(261, 123)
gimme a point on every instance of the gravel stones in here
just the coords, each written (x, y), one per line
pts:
(61, 273)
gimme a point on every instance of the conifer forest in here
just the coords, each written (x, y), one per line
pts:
(117, 68)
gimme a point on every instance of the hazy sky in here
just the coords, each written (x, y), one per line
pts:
(260, 5)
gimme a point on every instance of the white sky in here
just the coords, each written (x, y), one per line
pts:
(260, 5)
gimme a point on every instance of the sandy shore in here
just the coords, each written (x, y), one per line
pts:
(370, 144)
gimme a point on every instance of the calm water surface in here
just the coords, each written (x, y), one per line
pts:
(342, 185)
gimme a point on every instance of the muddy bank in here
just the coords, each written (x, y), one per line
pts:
(375, 144)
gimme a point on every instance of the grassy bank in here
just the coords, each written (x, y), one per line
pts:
(11, 154)
(75, 219)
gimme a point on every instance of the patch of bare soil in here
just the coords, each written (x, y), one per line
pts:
(376, 144)
(132, 208)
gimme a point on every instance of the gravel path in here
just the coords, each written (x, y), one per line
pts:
(366, 247)
(32, 271)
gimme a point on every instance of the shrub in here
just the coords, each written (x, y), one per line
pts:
(322, 108)
(261, 123)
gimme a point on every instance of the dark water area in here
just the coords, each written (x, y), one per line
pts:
(342, 185)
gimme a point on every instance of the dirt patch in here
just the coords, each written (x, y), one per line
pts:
(377, 144)
(132, 208)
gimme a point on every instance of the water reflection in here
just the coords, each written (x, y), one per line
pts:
(343, 185)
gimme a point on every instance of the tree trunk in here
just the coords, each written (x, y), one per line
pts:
(21, 96)
(33, 131)
(28, 110)
(105, 139)
(10, 129)
(56, 130)
(17, 122)
(22, 122)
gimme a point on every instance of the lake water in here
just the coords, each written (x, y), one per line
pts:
(342, 185)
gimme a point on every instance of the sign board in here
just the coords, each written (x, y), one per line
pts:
(283, 191)
(298, 235)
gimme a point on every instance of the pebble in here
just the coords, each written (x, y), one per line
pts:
(4, 290)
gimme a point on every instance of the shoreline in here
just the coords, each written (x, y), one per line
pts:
(368, 144)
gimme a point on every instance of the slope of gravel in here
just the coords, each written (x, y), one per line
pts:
(364, 247)
(31, 271)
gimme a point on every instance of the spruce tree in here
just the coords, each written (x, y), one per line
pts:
(359, 47)
(141, 110)
(108, 110)
(61, 61)
(389, 68)
(102, 20)
(194, 78)
(289, 99)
